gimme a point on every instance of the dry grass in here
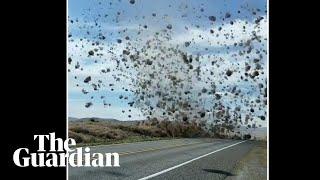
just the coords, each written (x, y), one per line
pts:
(98, 132)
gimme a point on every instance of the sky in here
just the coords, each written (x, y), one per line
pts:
(179, 13)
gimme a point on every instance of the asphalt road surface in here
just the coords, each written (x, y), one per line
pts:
(168, 159)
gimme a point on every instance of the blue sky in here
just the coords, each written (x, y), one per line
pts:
(180, 13)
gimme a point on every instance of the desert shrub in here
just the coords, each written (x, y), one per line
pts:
(113, 134)
(142, 131)
(75, 136)
(79, 129)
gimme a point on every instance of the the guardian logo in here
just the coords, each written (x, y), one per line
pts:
(61, 155)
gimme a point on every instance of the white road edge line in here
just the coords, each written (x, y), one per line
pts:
(187, 162)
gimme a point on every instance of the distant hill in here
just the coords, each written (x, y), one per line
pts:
(107, 120)
(72, 119)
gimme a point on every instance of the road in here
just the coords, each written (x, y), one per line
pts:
(168, 159)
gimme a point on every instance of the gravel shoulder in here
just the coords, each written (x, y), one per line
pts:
(253, 166)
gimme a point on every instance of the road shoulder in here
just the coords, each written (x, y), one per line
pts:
(253, 166)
